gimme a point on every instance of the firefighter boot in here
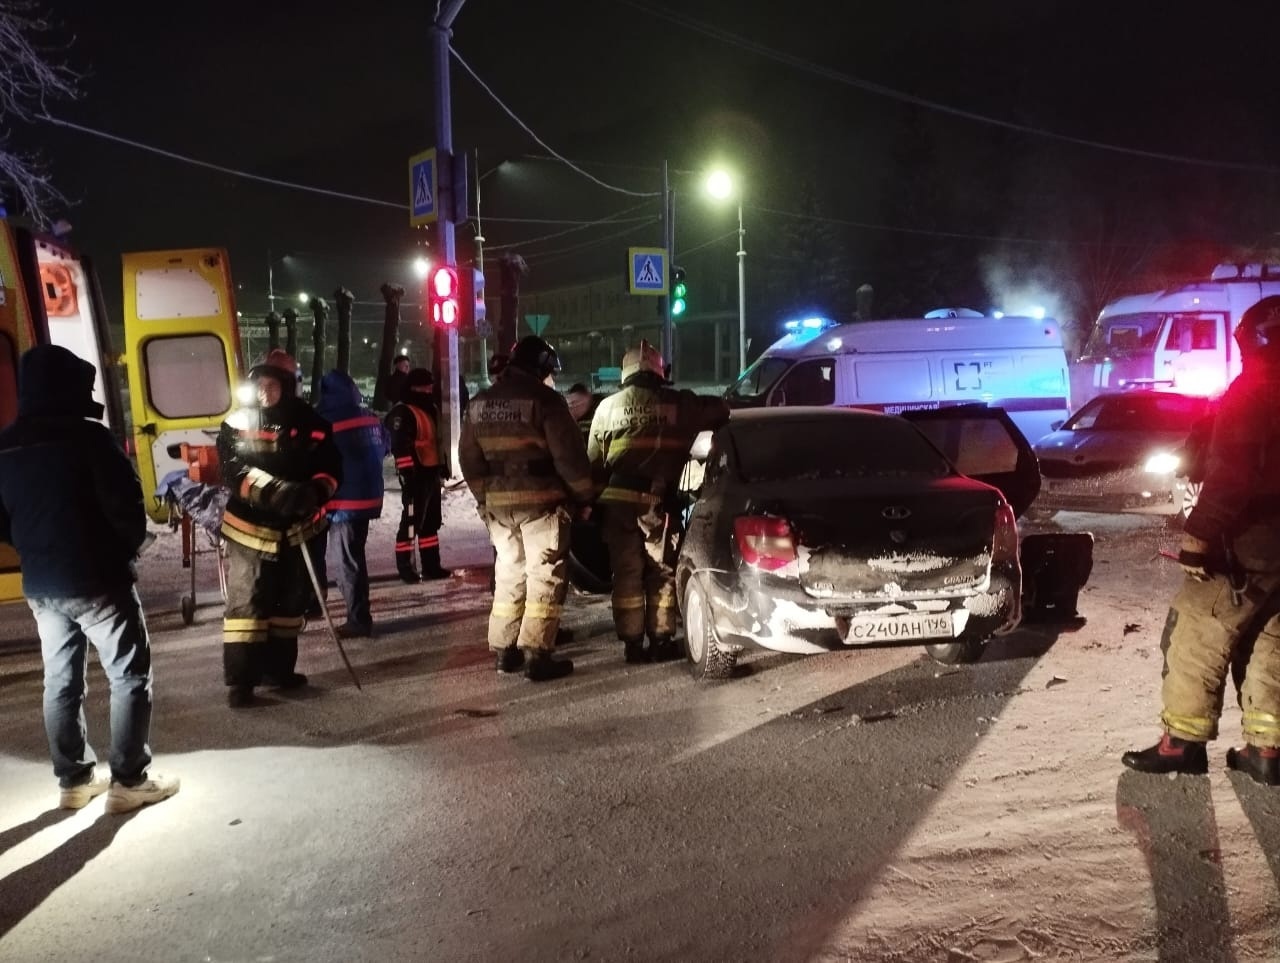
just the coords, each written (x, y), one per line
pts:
(663, 648)
(1170, 754)
(240, 697)
(633, 651)
(540, 667)
(431, 564)
(1259, 763)
(509, 659)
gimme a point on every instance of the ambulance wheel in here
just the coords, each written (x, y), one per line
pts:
(957, 653)
(188, 610)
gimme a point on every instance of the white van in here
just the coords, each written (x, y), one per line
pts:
(1178, 339)
(911, 364)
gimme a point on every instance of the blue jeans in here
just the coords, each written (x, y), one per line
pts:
(347, 541)
(115, 625)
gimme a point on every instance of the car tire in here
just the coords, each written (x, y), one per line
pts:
(707, 659)
(1040, 515)
(1190, 495)
(960, 652)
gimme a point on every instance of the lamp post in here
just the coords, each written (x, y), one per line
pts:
(720, 186)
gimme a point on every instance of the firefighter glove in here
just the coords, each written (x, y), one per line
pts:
(1193, 557)
(294, 499)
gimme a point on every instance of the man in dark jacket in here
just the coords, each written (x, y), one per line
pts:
(70, 503)
(411, 425)
(362, 442)
(281, 466)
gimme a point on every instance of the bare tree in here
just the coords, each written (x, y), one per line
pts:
(28, 81)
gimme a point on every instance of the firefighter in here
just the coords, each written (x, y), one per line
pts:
(639, 443)
(1231, 553)
(523, 458)
(412, 427)
(281, 466)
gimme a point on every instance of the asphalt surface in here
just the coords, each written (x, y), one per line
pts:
(448, 813)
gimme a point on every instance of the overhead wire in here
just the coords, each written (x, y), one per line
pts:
(611, 219)
(562, 252)
(542, 143)
(173, 155)
(799, 63)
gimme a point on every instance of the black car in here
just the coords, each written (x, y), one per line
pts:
(820, 529)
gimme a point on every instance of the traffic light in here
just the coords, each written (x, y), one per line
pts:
(678, 292)
(442, 296)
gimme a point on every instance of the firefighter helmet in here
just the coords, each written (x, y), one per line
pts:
(535, 356)
(644, 358)
(279, 364)
(1259, 328)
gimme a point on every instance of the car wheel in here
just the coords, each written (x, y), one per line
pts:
(960, 652)
(707, 660)
(1034, 514)
(1190, 495)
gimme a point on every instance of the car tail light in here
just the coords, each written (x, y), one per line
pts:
(1004, 545)
(765, 541)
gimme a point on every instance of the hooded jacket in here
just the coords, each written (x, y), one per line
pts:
(411, 424)
(361, 441)
(70, 500)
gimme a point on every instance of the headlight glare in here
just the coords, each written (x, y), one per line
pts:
(1162, 463)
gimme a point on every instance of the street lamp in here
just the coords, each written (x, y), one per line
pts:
(720, 186)
(421, 266)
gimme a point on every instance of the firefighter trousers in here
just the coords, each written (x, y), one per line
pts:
(530, 575)
(1207, 624)
(266, 598)
(640, 539)
(419, 520)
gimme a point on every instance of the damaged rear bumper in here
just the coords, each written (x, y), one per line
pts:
(757, 609)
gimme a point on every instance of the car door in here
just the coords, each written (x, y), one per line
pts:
(986, 445)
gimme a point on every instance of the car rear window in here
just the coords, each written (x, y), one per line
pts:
(787, 448)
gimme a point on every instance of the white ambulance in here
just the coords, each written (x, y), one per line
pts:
(1178, 339)
(952, 357)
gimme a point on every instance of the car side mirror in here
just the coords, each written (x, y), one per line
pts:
(1055, 425)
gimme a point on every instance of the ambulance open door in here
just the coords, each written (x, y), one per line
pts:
(182, 351)
(22, 326)
(77, 321)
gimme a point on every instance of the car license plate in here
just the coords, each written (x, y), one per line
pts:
(896, 628)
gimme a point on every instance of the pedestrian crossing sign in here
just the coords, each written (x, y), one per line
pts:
(422, 188)
(647, 272)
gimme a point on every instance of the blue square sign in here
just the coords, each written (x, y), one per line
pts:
(647, 272)
(422, 188)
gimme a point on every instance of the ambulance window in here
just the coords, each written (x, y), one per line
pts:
(187, 376)
(8, 381)
(759, 378)
(808, 383)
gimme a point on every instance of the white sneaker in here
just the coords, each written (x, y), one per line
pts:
(125, 799)
(77, 797)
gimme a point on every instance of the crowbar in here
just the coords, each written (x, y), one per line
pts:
(333, 632)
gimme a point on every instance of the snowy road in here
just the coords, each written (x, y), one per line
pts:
(867, 806)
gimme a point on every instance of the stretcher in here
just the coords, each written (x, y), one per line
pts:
(195, 500)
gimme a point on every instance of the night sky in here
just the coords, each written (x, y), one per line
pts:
(340, 99)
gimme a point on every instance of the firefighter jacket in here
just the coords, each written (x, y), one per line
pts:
(362, 443)
(411, 426)
(640, 437)
(1239, 506)
(281, 466)
(521, 449)
(70, 501)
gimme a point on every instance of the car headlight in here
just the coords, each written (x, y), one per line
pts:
(1162, 463)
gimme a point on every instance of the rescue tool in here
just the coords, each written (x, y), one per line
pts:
(328, 620)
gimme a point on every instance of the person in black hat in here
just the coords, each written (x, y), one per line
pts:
(412, 426)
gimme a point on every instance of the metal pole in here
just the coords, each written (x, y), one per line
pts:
(668, 242)
(742, 296)
(484, 342)
(447, 376)
(271, 290)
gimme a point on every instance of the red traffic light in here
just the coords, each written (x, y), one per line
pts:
(442, 294)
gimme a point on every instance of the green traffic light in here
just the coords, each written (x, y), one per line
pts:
(677, 307)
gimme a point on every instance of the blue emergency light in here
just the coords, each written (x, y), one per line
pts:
(806, 329)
